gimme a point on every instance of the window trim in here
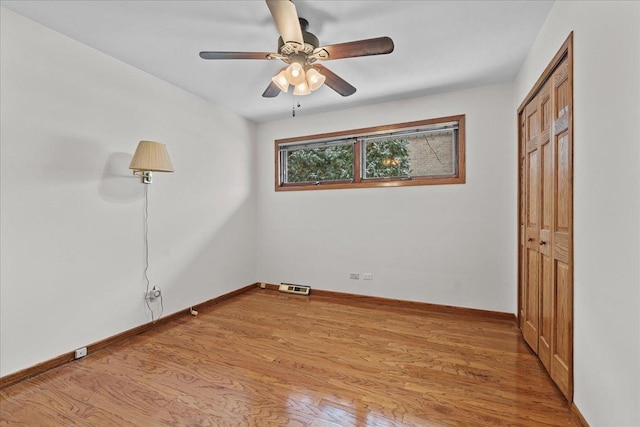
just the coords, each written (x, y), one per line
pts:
(358, 181)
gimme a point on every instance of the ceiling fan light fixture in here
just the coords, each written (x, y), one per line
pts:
(300, 49)
(314, 79)
(295, 73)
(281, 81)
(302, 89)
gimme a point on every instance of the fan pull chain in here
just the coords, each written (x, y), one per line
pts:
(293, 105)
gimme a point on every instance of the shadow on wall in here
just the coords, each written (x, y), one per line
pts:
(79, 160)
(222, 261)
(115, 184)
(62, 158)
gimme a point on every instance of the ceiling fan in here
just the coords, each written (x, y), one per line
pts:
(302, 51)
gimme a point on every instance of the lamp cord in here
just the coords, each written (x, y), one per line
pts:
(146, 255)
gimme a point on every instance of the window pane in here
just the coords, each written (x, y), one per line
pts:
(386, 158)
(331, 163)
(433, 154)
(426, 153)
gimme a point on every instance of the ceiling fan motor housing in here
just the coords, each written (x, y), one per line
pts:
(311, 43)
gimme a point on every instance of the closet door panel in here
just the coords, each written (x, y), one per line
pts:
(532, 294)
(546, 225)
(531, 283)
(521, 240)
(546, 310)
(563, 185)
(562, 346)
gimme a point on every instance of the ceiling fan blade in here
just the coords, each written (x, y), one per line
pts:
(334, 81)
(377, 46)
(236, 55)
(286, 18)
(271, 91)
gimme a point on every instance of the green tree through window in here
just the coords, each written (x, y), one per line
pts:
(387, 158)
(320, 164)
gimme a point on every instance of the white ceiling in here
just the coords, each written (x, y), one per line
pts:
(439, 45)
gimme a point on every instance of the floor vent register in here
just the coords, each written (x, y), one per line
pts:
(294, 289)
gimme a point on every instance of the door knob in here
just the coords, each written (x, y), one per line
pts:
(542, 242)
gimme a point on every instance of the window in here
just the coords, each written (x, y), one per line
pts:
(330, 161)
(416, 153)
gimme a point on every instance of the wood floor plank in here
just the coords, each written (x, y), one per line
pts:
(264, 358)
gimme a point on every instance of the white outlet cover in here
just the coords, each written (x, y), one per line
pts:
(367, 276)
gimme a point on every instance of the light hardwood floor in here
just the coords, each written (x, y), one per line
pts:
(265, 358)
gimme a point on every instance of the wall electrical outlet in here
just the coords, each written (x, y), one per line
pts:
(81, 352)
(367, 276)
(153, 294)
(354, 276)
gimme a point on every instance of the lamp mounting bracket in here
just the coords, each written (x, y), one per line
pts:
(145, 176)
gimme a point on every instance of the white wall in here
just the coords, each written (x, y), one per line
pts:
(449, 244)
(606, 199)
(71, 213)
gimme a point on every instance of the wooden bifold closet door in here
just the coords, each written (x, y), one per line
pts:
(546, 220)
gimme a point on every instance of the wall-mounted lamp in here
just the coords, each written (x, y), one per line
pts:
(150, 157)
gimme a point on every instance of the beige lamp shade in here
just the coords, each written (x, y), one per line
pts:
(314, 79)
(302, 89)
(295, 74)
(281, 81)
(151, 156)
